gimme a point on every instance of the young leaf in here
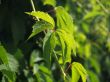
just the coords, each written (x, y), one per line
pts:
(40, 26)
(7, 67)
(13, 63)
(92, 14)
(3, 55)
(67, 43)
(4, 67)
(35, 57)
(63, 46)
(42, 15)
(64, 20)
(44, 74)
(78, 69)
(10, 75)
(69, 39)
(67, 54)
(50, 2)
(49, 46)
(75, 75)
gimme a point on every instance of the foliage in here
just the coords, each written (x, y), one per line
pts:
(69, 41)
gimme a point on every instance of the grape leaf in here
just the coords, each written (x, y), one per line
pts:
(40, 26)
(68, 44)
(42, 15)
(50, 2)
(3, 55)
(49, 45)
(64, 20)
(78, 69)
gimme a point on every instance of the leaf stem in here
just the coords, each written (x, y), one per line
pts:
(102, 6)
(33, 7)
(68, 68)
(59, 64)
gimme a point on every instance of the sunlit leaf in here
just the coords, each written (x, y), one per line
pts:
(92, 14)
(3, 55)
(4, 67)
(49, 45)
(35, 57)
(75, 75)
(40, 26)
(64, 20)
(95, 64)
(69, 39)
(79, 70)
(8, 68)
(10, 75)
(63, 46)
(44, 16)
(87, 50)
(67, 44)
(46, 72)
(49, 2)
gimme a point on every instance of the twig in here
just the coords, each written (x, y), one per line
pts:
(59, 64)
(103, 7)
(33, 7)
(68, 68)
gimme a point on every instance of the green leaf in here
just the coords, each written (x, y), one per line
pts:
(40, 26)
(46, 52)
(63, 46)
(9, 66)
(78, 69)
(35, 57)
(3, 79)
(68, 38)
(46, 72)
(3, 55)
(10, 75)
(67, 44)
(65, 40)
(95, 64)
(18, 55)
(93, 77)
(5, 69)
(44, 16)
(43, 74)
(87, 49)
(75, 75)
(92, 14)
(49, 45)
(13, 63)
(48, 34)
(50, 2)
(64, 20)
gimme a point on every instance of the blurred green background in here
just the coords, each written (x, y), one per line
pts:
(92, 34)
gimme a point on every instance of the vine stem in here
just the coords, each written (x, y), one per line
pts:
(103, 7)
(59, 64)
(33, 7)
(68, 67)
